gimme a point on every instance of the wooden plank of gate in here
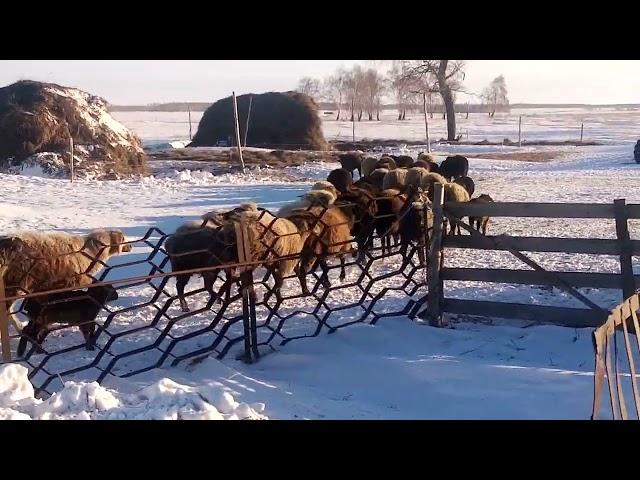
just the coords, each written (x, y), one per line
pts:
(599, 336)
(5, 341)
(503, 241)
(626, 316)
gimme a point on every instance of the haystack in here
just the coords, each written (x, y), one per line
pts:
(287, 120)
(37, 118)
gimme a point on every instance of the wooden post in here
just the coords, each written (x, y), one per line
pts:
(5, 341)
(189, 110)
(245, 282)
(426, 122)
(71, 160)
(626, 248)
(434, 308)
(468, 109)
(246, 130)
(235, 115)
(581, 131)
(353, 121)
(520, 131)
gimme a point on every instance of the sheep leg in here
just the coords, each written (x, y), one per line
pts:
(302, 278)
(278, 282)
(28, 334)
(88, 332)
(181, 282)
(324, 278)
(209, 279)
(484, 226)
(343, 271)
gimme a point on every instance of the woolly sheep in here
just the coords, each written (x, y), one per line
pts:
(55, 260)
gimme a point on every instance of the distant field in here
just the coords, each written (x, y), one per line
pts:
(607, 125)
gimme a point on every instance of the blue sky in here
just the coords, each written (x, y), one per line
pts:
(148, 81)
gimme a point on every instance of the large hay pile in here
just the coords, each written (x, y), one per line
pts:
(40, 117)
(287, 120)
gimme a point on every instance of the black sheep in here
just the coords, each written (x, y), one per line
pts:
(341, 179)
(430, 166)
(75, 307)
(467, 183)
(404, 161)
(350, 162)
(193, 247)
(454, 167)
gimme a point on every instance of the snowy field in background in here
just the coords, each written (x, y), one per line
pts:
(396, 369)
(605, 125)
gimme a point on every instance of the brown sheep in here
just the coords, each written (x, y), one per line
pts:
(39, 261)
(328, 234)
(455, 193)
(480, 223)
(351, 161)
(271, 239)
(395, 179)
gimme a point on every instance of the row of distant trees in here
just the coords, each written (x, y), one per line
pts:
(358, 92)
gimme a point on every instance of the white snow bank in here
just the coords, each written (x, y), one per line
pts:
(93, 111)
(42, 165)
(162, 400)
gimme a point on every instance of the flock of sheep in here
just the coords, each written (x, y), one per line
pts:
(300, 238)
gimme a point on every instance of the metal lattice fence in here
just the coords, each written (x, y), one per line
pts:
(241, 308)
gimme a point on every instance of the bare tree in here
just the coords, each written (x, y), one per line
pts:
(448, 76)
(373, 89)
(400, 84)
(495, 95)
(334, 88)
(355, 91)
(309, 86)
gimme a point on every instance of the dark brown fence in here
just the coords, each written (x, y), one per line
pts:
(593, 316)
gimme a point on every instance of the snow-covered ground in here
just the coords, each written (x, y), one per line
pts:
(605, 125)
(394, 369)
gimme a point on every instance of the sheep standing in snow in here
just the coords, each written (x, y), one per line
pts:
(194, 245)
(351, 161)
(328, 234)
(33, 262)
(72, 308)
(480, 223)
(454, 167)
(271, 240)
(455, 193)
